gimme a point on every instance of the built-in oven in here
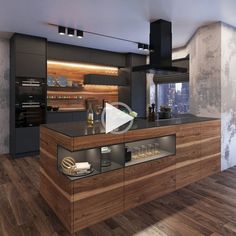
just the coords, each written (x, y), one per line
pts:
(30, 101)
(29, 114)
(30, 89)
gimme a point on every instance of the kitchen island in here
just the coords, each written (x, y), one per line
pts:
(187, 149)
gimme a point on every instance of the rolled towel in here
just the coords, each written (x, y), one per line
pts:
(82, 165)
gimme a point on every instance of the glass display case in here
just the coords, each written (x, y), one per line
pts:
(88, 162)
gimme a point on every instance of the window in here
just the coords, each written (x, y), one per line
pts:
(174, 95)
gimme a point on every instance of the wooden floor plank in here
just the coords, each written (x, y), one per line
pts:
(207, 207)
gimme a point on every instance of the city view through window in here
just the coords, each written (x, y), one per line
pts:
(173, 95)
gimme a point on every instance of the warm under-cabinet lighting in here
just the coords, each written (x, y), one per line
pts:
(84, 66)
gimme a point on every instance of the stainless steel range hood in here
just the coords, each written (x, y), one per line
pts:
(160, 51)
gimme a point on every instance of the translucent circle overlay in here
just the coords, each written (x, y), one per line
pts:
(120, 104)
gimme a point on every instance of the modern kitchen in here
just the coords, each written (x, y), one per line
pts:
(117, 125)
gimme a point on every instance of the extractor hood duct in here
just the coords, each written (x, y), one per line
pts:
(160, 51)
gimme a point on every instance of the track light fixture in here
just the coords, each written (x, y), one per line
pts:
(142, 46)
(61, 30)
(70, 32)
(79, 34)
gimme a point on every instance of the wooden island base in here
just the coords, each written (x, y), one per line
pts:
(86, 201)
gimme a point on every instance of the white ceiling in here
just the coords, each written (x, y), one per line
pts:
(128, 19)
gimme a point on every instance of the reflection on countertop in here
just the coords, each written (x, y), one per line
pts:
(77, 129)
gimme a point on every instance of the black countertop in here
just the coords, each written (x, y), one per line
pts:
(78, 129)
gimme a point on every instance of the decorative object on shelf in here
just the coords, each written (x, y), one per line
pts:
(62, 81)
(69, 83)
(151, 113)
(127, 154)
(165, 112)
(75, 84)
(49, 108)
(67, 163)
(50, 81)
(55, 108)
(105, 160)
(90, 115)
(71, 168)
(133, 114)
(98, 110)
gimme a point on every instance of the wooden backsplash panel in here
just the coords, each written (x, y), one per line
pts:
(76, 73)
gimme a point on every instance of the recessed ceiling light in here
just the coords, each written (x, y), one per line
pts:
(61, 30)
(79, 33)
(70, 32)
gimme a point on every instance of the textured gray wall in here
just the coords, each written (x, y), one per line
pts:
(205, 72)
(228, 96)
(213, 81)
(204, 49)
(4, 95)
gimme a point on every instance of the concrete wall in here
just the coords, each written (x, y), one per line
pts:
(204, 50)
(4, 95)
(213, 81)
(228, 96)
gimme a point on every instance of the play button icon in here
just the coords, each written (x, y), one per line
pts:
(115, 118)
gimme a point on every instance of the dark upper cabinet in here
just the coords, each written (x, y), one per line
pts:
(107, 58)
(30, 65)
(29, 44)
(63, 52)
(29, 55)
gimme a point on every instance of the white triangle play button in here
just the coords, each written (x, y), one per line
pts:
(115, 118)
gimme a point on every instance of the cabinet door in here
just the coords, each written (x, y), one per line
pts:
(107, 58)
(97, 198)
(31, 45)
(147, 181)
(30, 65)
(27, 140)
(210, 147)
(188, 154)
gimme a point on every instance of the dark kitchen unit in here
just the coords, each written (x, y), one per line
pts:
(27, 93)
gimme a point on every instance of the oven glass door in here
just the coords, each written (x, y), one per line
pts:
(30, 115)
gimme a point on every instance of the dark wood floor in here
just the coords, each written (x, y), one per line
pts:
(207, 207)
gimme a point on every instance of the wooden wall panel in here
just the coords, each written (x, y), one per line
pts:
(75, 73)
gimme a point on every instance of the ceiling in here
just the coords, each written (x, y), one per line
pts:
(128, 19)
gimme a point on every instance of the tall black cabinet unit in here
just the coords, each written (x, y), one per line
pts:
(134, 95)
(28, 59)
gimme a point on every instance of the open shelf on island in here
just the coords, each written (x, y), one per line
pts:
(117, 156)
(150, 149)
